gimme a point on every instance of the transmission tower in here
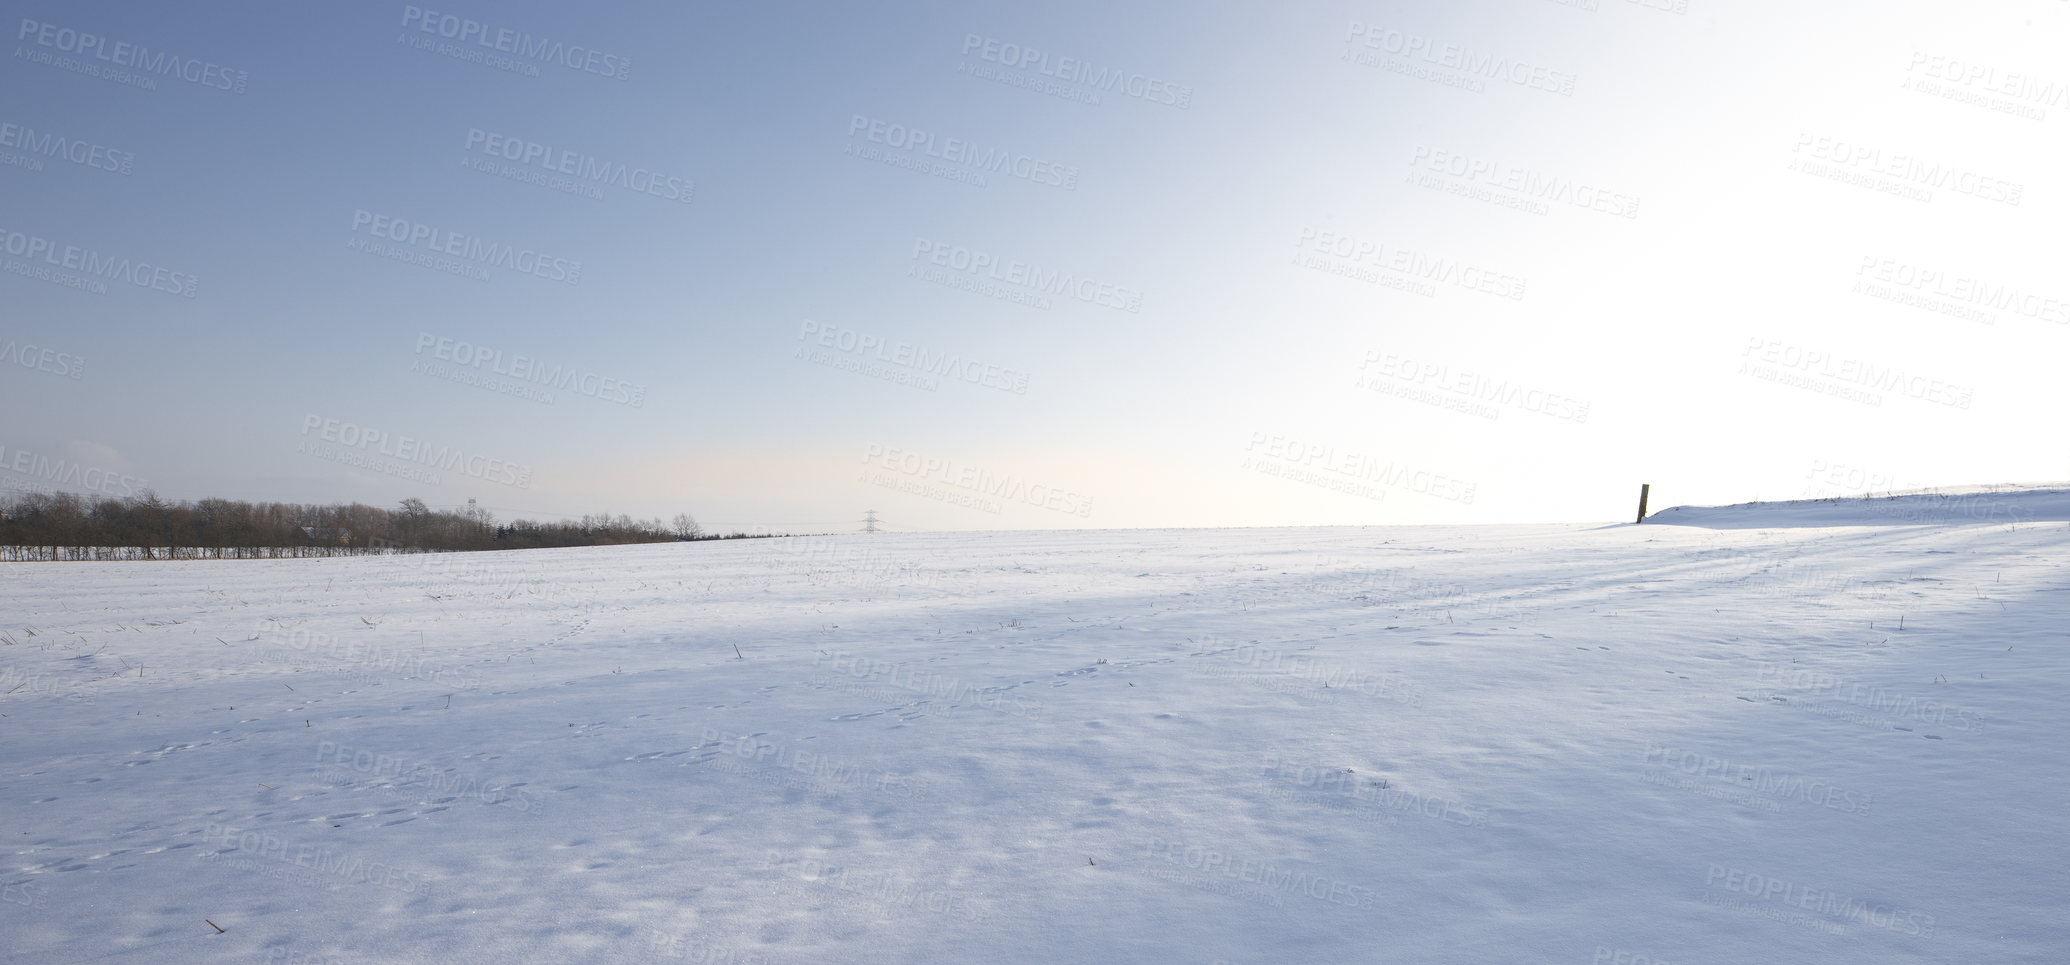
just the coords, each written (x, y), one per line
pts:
(870, 521)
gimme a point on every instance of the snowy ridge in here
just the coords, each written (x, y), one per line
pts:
(1954, 505)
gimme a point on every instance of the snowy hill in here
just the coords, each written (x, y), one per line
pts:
(1945, 506)
(1778, 733)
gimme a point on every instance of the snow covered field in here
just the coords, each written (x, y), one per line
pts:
(1710, 742)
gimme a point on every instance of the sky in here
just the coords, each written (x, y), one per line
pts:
(1033, 266)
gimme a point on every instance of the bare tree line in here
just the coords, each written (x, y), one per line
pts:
(68, 526)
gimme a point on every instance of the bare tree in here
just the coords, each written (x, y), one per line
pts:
(39, 525)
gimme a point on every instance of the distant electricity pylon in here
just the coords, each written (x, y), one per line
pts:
(870, 521)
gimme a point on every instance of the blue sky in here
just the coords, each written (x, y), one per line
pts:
(1020, 267)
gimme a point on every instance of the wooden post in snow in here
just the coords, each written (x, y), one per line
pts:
(1644, 488)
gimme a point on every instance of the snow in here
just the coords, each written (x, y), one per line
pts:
(1960, 504)
(1710, 742)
